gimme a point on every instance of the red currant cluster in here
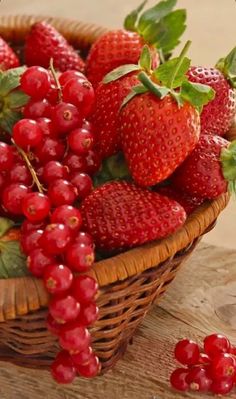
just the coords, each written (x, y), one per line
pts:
(53, 147)
(213, 370)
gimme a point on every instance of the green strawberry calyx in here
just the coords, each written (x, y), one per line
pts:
(227, 66)
(113, 168)
(228, 161)
(159, 26)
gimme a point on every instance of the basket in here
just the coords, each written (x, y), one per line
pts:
(129, 283)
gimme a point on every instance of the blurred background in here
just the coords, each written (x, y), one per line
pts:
(211, 27)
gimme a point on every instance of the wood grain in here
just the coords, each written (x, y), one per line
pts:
(201, 300)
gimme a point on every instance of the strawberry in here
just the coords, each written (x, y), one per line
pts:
(45, 42)
(8, 59)
(188, 202)
(210, 170)
(120, 215)
(124, 46)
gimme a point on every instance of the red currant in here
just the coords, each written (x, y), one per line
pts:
(83, 183)
(68, 75)
(84, 289)
(19, 173)
(84, 238)
(74, 162)
(27, 133)
(35, 82)
(178, 379)
(13, 196)
(55, 239)
(198, 379)
(6, 157)
(79, 257)
(57, 278)
(52, 95)
(93, 162)
(82, 357)
(80, 92)
(90, 369)
(80, 141)
(223, 366)
(37, 262)
(45, 125)
(36, 206)
(88, 314)
(187, 352)
(61, 192)
(52, 325)
(69, 216)
(54, 170)
(233, 350)
(64, 309)
(31, 241)
(216, 343)
(50, 150)
(74, 337)
(66, 117)
(63, 369)
(37, 109)
(203, 359)
(28, 226)
(222, 386)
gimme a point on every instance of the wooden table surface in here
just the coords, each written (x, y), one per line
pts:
(201, 300)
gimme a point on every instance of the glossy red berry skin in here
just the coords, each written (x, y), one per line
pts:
(203, 359)
(198, 379)
(64, 309)
(68, 75)
(75, 162)
(79, 257)
(223, 365)
(178, 379)
(82, 357)
(38, 261)
(28, 226)
(88, 314)
(27, 134)
(74, 338)
(69, 216)
(92, 162)
(45, 125)
(31, 241)
(57, 278)
(80, 92)
(63, 369)
(216, 343)
(19, 173)
(187, 352)
(84, 238)
(66, 117)
(36, 206)
(90, 369)
(62, 192)
(83, 183)
(35, 82)
(81, 141)
(13, 196)
(222, 386)
(52, 325)
(6, 157)
(50, 150)
(37, 109)
(55, 239)
(54, 170)
(84, 289)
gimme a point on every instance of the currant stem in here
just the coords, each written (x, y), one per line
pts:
(181, 58)
(30, 167)
(58, 86)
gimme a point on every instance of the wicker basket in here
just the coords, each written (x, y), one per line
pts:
(129, 283)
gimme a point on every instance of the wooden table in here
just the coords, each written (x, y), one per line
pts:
(201, 300)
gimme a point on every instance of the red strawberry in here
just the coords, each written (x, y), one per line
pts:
(8, 59)
(210, 169)
(109, 98)
(217, 116)
(188, 202)
(120, 215)
(45, 42)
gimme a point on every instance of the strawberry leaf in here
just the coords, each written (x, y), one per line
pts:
(145, 61)
(8, 119)
(5, 225)
(17, 99)
(227, 66)
(120, 72)
(10, 80)
(197, 94)
(166, 71)
(131, 19)
(155, 13)
(159, 91)
(136, 90)
(12, 261)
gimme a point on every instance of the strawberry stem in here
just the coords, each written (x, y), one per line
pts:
(58, 86)
(159, 91)
(180, 61)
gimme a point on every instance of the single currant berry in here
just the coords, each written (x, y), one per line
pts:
(83, 183)
(57, 278)
(52, 325)
(84, 289)
(36, 206)
(233, 350)
(35, 82)
(50, 150)
(69, 216)
(53, 95)
(66, 117)
(63, 369)
(88, 126)
(223, 365)
(82, 357)
(216, 343)
(45, 125)
(187, 352)
(6, 157)
(93, 163)
(74, 337)
(13, 196)
(203, 359)
(31, 241)
(19, 173)
(37, 109)
(90, 369)
(62, 192)
(222, 386)
(75, 163)
(68, 75)
(88, 314)
(80, 141)
(28, 226)
(2, 182)
(178, 379)
(84, 238)
(80, 92)
(55, 239)
(38, 261)
(27, 134)
(79, 257)
(198, 379)
(64, 309)
(54, 170)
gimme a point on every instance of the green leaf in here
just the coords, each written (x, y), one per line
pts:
(228, 160)
(155, 13)
(131, 19)
(227, 65)
(159, 91)
(120, 72)
(10, 80)
(12, 261)
(136, 90)
(167, 70)
(197, 94)
(145, 61)
(117, 166)
(5, 225)
(8, 120)
(17, 99)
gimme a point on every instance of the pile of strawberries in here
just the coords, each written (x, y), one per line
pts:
(102, 155)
